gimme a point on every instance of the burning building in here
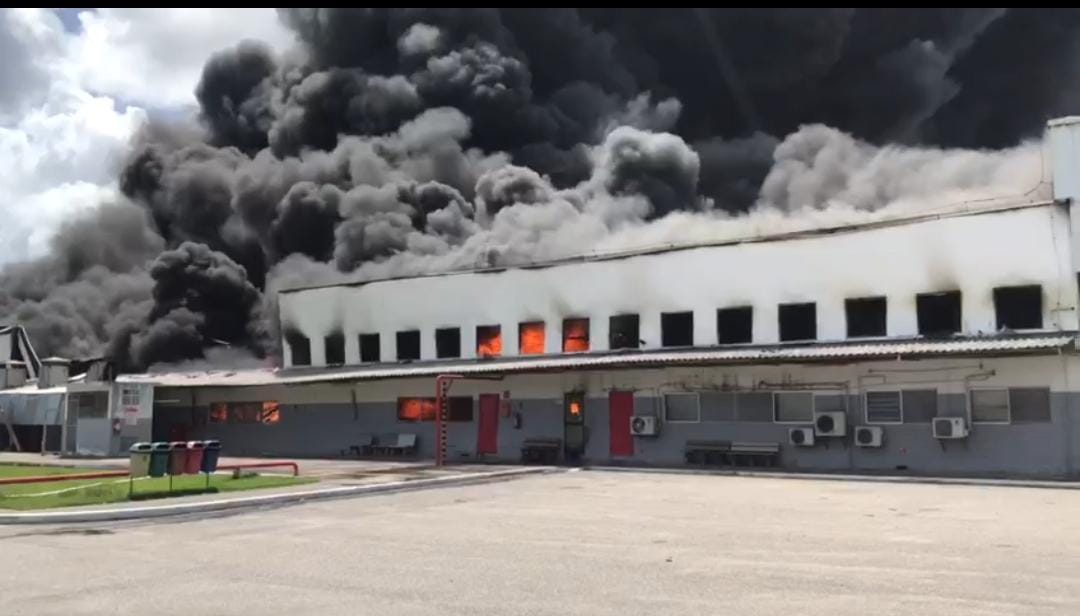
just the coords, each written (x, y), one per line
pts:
(938, 341)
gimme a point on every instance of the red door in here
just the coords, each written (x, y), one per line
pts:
(487, 435)
(620, 409)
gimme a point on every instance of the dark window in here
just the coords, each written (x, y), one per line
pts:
(798, 322)
(334, 346)
(938, 313)
(369, 347)
(920, 405)
(1018, 307)
(735, 325)
(448, 342)
(754, 406)
(717, 406)
(300, 347)
(1029, 404)
(677, 329)
(408, 344)
(461, 408)
(624, 331)
(575, 335)
(488, 341)
(865, 316)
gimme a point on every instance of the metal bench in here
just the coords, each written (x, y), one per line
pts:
(541, 450)
(750, 453)
(397, 445)
(707, 452)
(364, 447)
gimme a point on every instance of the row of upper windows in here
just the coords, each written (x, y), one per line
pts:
(881, 406)
(937, 314)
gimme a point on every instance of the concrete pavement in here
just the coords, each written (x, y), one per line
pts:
(579, 543)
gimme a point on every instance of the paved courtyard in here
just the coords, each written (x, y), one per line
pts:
(577, 543)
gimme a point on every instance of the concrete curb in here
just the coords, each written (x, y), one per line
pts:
(250, 502)
(953, 481)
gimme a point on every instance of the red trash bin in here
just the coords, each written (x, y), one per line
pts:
(177, 457)
(193, 461)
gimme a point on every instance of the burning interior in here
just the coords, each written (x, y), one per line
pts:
(488, 341)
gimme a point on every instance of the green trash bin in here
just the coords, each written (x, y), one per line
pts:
(159, 459)
(139, 466)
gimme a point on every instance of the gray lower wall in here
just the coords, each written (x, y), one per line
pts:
(315, 430)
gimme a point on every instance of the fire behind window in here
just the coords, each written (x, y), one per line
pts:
(488, 341)
(575, 335)
(531, 338)
(424, 409)
(268, 412)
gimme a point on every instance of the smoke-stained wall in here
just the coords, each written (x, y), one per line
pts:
(974, 254)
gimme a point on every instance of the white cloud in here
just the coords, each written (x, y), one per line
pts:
(155, 56)
(83, 95)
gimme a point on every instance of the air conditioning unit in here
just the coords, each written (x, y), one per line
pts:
(869, 436)
(950, 427)
(644, 425)
(801, 437)
(830, 423)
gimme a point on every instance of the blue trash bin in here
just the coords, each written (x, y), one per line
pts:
(210, 456)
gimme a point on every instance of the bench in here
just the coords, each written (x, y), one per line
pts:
(365, 446)
(396, 445)
(541, 450)
(748, 453)
(707, 452)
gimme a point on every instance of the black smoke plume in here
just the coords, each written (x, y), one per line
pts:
(406, 140)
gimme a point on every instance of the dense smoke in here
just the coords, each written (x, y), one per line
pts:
(394, 141)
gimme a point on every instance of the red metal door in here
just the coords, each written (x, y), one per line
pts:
(487, 433)
(620, 409)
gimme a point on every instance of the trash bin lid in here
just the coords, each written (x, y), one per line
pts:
(196, 445)
(178, 445)
(141, 448)
(212, 444)
(159, 446)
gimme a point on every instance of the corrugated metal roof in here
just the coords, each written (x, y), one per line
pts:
(885, 349)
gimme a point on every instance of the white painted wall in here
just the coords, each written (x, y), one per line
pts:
(973, 253)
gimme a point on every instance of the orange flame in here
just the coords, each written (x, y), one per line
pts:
(531, 338)
(575, 335)
(488, 341)
(416, 409)
(575, 408)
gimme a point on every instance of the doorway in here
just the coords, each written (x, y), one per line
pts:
(575, 434)
(487, 430)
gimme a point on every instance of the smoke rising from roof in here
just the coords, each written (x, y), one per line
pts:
(397, 141)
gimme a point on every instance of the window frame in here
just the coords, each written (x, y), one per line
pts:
(900, 398)
(125, 391)
(775, 406)
(971, 406)
(681, 392)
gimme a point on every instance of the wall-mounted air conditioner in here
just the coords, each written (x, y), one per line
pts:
(869, 436)
(644, 425)
(950, 427)
(801, 437)
(830, 423)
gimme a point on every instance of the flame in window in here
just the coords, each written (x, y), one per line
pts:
(575, 408)
(531, 338)
(488, 341)
(575, 335)
(219, 412)
(271, 413)
(416, 409)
